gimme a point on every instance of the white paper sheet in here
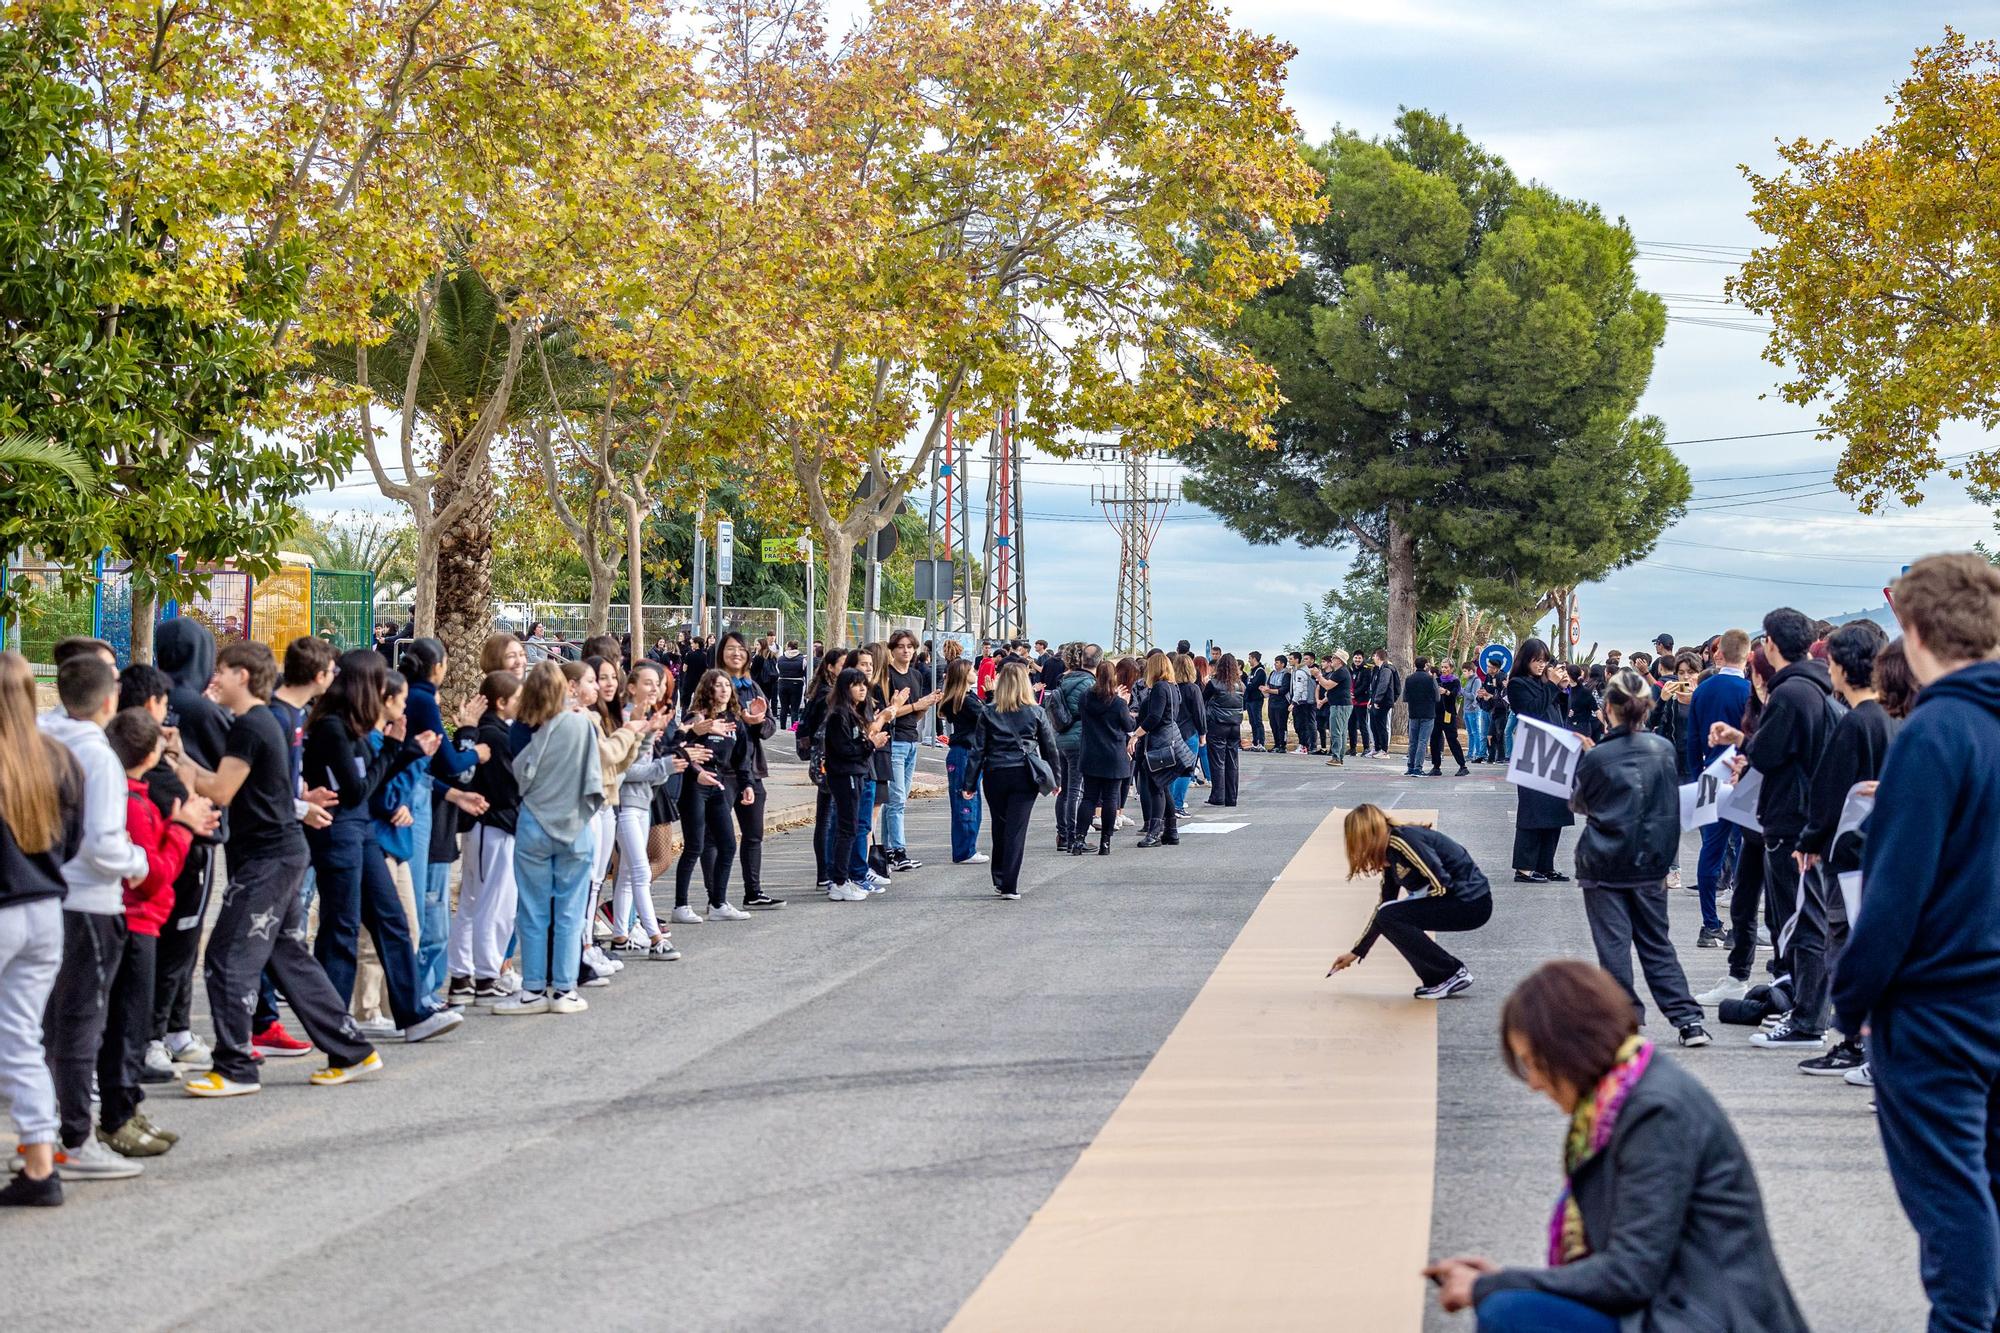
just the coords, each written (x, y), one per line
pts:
(1544, 758)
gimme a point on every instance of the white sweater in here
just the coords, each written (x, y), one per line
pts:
(107, 857)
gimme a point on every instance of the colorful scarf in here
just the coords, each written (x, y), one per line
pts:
(1590, 1128)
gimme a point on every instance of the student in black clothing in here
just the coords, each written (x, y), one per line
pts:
(1193, 723)
(733, 657)
(1222, 700)
(718, 784)
(1856, 752)
(1359, 736)
(1277, 702)
(355, 889)
(1010, 733)
(1628, 789)
(482, 922)
(1107, 726)
(1420, 694)
(1337, 689)
(1429, 883)
(1159, 710)
(792, 666)
(1450, 688)
(1539, 818)
(850, 733)
(1384, 691)
(1254, 681)
(810, 748)
(262, 921)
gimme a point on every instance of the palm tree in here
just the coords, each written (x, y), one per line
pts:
(22, 456)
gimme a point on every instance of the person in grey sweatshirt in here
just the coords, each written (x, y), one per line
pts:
(93, 907)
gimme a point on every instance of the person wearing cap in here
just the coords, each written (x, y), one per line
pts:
(1663, 657)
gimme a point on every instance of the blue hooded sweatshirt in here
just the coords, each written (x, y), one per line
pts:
(1929, 926)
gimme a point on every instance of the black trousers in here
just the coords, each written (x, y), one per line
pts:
(705, 824)
(750, 841)
(127, 1025)
(790, 694)
(1781, 899)
(1442, 733)
(262, 923)
(1810, 950)
(1624, 919)
(1101, 796)
(1222, 774)
(1358, 734)
(1071, 823)
(823, 833)
(1535, 849)
(180, 944)
(79, 1003)
(1256, 714)
(1744, 899)
(1010, 797)
(843, 793)
(1378, 721)
(1406, 922)
(1305, 721)
(1156, 800)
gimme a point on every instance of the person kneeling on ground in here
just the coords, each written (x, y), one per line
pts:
(1659, 1225)
(1446, 892)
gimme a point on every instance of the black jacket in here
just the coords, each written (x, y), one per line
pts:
(1791, 735)
(337, 758)
(964, 722)
(1856, 752)
(1678, 1240)
(1106, 721)
(1628, 791)
(1364, 685)
(1424, 863)
(1159, 706)
(26, 877)
(494, 779)
(849, 751)
(1193, 715)
(1005, 740)
(1224, 713)
(185, 650)
(1386, 687)
(1420, 692)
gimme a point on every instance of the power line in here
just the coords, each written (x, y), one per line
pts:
(1755, 578)
(1782, 555)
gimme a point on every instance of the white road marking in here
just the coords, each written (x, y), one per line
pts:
(1212, 828)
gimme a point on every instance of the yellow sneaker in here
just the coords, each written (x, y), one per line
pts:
(334, 1074)
(213, 1084)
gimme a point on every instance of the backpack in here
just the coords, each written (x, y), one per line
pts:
(1062, 716)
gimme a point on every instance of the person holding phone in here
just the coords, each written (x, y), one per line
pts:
(721, 782)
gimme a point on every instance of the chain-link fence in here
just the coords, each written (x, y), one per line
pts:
(57, 612)
(281, 608)
(224, 608)
(885, 625)
(343, 607)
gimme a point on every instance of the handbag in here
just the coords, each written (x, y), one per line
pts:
(1039, 770)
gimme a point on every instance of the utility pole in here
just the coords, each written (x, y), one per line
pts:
(1135, 512)
(698, 612)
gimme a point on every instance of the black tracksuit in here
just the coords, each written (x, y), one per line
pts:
(1446, 891)
(1224, 708)
(1791, 734)
(1855, 752)
(1107, 767)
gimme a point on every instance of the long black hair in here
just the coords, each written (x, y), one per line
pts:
(360, 682)
(420, 658)
(850, 677)
(829, 666)
(1525, 656)
(610, 708)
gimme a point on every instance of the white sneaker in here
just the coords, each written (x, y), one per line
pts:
(1729, 988)
(601, 960)
(157, 1059)
(1124, 821)
(510, 978)
(846, 893)
(569, 1002)
(523, 1002)
(95, 1160)
(686, 916)
(727, 912)
(439, 1023)
(194, 1055)
(876, 883)
(976, 859)
(380, 1028)
(1864, 1077)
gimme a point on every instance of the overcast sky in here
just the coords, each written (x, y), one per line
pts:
(1645, 109)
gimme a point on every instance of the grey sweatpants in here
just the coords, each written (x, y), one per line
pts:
(31, 948)
(1625, 919)
(262, 922)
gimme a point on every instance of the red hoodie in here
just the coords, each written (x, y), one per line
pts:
(165, 844)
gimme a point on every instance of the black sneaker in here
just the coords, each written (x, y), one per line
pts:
(1530, 877)
(1787, 1034)
(762, 899)
(1463, 772)
(1460, 980)
(902, 860)
(1835, 1062)
(461, 992)
(1694, 1034)
(488, 990)
(21, 1192)
(1556, 877)
(1712, 938)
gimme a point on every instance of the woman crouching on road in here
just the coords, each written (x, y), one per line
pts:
(1012, 733)
(1628, 791)
(1659, 1225)
(1445, 891)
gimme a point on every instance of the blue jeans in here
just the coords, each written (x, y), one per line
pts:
(1420, 744)
(356, 893)
(430, 942)
(1179, 789)
(552, 880)
(1476, 722)
(1201, 753)
(1520, 1311)
(964, 813)
(434, 906)
(902, 771)
(1715, 841)
(857, 858)
(1507, 744)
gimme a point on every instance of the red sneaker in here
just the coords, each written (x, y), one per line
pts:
(274, 1040)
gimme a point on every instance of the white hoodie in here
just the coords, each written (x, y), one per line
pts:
(107, 857)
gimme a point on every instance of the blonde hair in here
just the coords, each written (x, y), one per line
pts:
(1184, 669)
(1158, 667)
(957, 680)
(544, 694)
(952, 650)
(1627, 697)
(878, 661)
(1011, 688)
(493, 653)
(1367, 830)
(29, 762)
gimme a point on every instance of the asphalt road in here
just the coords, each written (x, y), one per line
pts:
(830, 1117)
(839, 1116)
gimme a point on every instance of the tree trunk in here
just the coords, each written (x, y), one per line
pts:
(603, 574)
(839, 582)
(145, 610)
(1400, 562)
(424, 595)
(634, 586)
(463, 587)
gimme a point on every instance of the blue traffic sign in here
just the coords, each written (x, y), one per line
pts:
(1497, 659)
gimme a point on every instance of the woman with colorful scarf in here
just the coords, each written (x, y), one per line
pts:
(1659, 1226)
